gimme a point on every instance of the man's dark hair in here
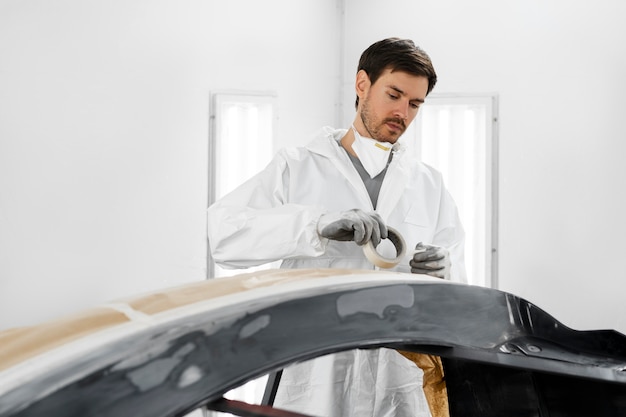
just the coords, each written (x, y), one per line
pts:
(397, 55)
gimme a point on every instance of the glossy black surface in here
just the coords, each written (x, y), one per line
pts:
(174, 368)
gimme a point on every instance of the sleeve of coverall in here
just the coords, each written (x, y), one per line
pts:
(254, 225)
(451, 235)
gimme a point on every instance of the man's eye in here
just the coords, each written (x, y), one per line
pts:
(415, 106)
(393, 97)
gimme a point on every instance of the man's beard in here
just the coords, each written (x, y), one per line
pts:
(374, 129)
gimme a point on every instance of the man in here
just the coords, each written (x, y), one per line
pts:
(310, 206)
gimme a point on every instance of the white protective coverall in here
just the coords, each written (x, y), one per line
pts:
(274, 216)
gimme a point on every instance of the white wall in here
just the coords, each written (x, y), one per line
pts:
(104, 128)
(558, 68)
(104, 134)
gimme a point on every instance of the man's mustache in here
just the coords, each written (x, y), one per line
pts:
(396, 121)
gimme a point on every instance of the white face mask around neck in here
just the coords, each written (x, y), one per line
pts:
(373, 154)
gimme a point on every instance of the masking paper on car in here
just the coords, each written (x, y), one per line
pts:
(434, 381)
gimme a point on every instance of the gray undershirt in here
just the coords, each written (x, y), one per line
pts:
(372, 185)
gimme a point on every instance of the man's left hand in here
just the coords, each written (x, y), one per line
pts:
(431, 260)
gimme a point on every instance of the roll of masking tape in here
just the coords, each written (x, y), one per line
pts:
(377, 259)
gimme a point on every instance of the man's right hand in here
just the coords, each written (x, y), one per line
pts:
(355, 225)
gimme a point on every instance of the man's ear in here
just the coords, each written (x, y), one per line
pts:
(362, 84)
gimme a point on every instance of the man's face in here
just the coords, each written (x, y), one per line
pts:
(388, 106)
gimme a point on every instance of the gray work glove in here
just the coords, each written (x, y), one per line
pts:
(431, 260)
(354, 225)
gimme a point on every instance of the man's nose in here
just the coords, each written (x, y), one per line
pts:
(402, 110)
